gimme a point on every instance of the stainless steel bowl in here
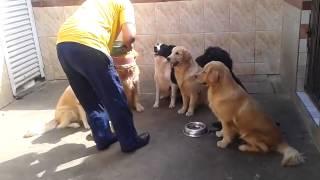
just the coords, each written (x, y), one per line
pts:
(195, 129)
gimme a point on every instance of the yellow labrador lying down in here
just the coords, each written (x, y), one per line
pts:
(241, 116)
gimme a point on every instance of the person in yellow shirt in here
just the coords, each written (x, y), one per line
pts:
(84, 42)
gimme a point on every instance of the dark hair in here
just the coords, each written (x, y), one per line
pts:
(215, 54)
(165, 50)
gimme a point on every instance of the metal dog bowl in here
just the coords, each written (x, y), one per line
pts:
(195, 129)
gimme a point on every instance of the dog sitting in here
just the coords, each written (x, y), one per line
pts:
(165, 81)
(185, 68)
(68, 113)
(218, 54)
(240, 115)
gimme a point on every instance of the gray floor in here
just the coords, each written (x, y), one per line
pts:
(67, 154)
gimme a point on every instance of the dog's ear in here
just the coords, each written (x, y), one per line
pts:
(186, 54)
(213, 77)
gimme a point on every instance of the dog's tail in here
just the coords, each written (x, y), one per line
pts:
(291, 157)
(41, 129)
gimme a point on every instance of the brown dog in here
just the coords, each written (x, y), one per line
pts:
(192, 92)
(240, 115)
(129, 72)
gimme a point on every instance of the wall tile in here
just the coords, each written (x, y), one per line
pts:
(69, 10)
(146, 78)
(243, 68)
(222, 40)
(48, 20)
(144, 46)
(242, 46)
(52, 67)
(167, 17)
(191, 16)
(145, 18)
(169, 39)
(194, 43)
(216, 15)
(267, 68)
(269, 15)
(47, 62)
(268, 46)
(242, 15)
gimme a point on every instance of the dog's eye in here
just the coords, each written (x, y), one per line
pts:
(177, 53)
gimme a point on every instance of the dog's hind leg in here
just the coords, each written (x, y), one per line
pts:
(173, 97)
(83, 117)
(249, 148)
(228, 135)
(65, 119)
(136, 90)
(255, 143)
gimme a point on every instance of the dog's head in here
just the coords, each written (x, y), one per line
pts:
(211, 74)
(179, 55)
(215, 54)
(163, 50)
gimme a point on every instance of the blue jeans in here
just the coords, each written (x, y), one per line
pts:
(96, 83)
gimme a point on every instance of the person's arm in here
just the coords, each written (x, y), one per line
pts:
(127, 22)
(128, 35)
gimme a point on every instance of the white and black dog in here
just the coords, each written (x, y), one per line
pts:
(165, 81)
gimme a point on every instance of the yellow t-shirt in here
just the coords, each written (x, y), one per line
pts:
(97, 23)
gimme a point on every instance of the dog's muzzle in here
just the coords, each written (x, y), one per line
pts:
(156, 48)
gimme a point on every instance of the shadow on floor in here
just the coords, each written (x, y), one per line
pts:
(170, 155)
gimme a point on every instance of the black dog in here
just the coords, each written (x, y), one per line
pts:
(165, 50)
(218, 54)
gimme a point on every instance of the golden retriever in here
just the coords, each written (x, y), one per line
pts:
(68, 112)
(129, 72)
(240, 115)
(192, 92)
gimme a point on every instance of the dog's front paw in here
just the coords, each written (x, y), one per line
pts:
(189, 113)
(219, 133)
(156, 105)
(181, 111)
(221, 144)
(243, 147)
(172, 105)
(139, 108)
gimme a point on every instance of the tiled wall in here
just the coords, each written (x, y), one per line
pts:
(249, 29)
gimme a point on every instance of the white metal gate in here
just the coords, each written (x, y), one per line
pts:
(20, 44)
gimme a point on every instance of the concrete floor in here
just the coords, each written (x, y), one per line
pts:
(68, 154)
